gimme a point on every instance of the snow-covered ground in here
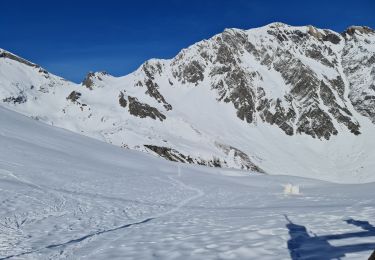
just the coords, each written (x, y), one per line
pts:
(65, 196)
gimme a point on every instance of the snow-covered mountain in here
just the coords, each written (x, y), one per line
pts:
(66, 196)
(277, 99)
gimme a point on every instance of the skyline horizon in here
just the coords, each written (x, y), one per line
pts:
(209, 37)
(72, 38)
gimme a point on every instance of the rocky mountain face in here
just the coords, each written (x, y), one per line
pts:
(311, 66)
(239, 99)
(359, 68)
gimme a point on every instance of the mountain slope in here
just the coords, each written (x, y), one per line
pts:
(66, 196)
(276, 99)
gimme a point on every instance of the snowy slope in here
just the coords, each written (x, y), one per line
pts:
(66, 196)
(277, 99)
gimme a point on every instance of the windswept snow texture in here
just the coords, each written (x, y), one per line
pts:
(66, 196)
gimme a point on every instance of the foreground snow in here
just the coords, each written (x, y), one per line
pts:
(67, 196)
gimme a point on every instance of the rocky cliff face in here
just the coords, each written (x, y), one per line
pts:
(208, 104)
(358, 61)
(297, 79)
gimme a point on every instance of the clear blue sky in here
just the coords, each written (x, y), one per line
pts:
(70, 38)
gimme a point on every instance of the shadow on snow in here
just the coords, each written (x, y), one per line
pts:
(77, 240)
(302, 245)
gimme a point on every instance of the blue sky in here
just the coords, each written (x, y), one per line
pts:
(70, 38)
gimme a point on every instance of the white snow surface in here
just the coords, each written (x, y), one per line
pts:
(66, 196)
(198, 124)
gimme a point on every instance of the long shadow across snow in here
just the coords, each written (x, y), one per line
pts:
(303, 246)
(77, 240)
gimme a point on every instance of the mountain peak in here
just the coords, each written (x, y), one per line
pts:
(351, 30)
(8, 55)
(277, 25)
(93, 77)
(220, 101)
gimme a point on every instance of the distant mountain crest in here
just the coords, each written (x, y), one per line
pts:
(216, 100)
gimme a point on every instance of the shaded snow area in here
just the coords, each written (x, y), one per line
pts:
(65, 196)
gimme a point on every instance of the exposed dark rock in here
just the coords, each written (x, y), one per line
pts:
(175, 156)
(205, 55)
(331, 37)
(330, 101)
(360, 29)
(234, 39)
(143, 110)
(297, 36)
(152, 91)
(338, 85)
(193, 72)
(278, 34)
(169, 154)
(225, 55)
(303, 80)
(314, 32)
(20, 99)
(152, 87)
(74, 96)
(358, 61)
(220, 70)
(122, 101)
(241, 95)
(364, 106)
(243, 158)
(371, 61)
(250, 48)
(88, 81)
(282, 117)
(281, 37)
(317, 123)
(267, 60)
(11, 56)
(220, 89)
(151, 69)
(346, 120)
(316, 54)
(326, 94)
(8, 55)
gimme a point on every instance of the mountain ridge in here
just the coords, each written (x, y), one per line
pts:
(287, 81)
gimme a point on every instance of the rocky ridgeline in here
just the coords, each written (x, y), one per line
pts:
(312, 103)
(302, 80)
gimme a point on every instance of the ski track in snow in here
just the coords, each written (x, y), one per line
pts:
(173, 180)
(76, 198)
